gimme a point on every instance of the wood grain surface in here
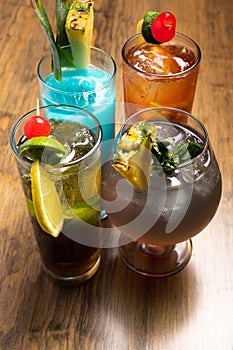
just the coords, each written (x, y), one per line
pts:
(118, 309)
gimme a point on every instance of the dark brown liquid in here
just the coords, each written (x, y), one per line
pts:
(64, 256)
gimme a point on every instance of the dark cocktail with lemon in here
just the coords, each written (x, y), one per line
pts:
(160, 67)
(58, 158)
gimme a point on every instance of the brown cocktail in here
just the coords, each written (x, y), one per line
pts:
(160, 74)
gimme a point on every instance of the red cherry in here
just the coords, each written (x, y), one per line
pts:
(163, 27)
(37, 126)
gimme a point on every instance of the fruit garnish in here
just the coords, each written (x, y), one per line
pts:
(87, 214)
(157, 27)
(37, 126)
(46, 201)
(146, 25)
(47, 149)
(133, 156)
(163, 27)
(76, 20)
(79, 30)
(139, 26)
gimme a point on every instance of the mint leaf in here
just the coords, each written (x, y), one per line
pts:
(164, 156)
(170, 161)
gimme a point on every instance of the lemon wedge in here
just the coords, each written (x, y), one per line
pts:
(46, 201)
(139, 25)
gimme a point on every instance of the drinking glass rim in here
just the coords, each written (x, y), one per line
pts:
(172, 109)
(112, 76)
(63, 165)
(163, 76)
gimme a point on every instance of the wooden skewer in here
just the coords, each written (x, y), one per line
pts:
(37, 107)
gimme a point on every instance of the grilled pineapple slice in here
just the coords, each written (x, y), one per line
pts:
(79, 30)
(133, 156)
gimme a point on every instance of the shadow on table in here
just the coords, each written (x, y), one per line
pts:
(116, 309)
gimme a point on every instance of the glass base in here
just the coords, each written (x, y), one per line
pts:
(156, 261)
(72, 281)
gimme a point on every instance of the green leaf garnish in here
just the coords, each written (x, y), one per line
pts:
(62, 8)
(194, 149)
(169, 161)
(41, 13)
(164, 156)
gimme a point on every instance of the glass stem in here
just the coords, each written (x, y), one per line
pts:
(157, 250)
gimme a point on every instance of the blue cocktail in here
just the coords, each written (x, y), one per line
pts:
(92, 89)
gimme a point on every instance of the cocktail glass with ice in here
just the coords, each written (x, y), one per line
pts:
(60, 175)
(160, 74)
(160, 204)
(92, 88)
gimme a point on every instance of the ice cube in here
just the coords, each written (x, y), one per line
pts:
(86, 84)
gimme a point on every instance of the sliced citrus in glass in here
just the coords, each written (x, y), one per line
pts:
(46, 201)
(133, 156)
(87, 214)
(43, 147)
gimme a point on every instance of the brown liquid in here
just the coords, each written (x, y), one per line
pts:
(62, 256)
(156, 59)
(159, 75)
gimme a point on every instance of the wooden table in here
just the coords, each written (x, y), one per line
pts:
(118, 309)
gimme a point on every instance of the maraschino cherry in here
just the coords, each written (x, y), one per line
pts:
(163, 27)
(37, 126)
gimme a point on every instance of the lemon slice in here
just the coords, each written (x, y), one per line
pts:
(48, 148)
(46, 201)
(139, 25)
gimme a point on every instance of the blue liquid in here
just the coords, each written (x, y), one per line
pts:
(90, 89)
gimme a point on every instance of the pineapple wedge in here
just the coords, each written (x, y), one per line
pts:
(79, 30)
(133, 156)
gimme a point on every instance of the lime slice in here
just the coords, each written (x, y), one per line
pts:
(30, 207)
(88, 215)
(43, 147)
(146, 26)
(46, 201)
